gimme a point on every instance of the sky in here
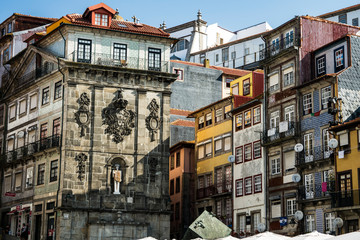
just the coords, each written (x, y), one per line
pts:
(230, 14)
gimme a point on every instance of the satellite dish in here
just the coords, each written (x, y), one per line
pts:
(231, 158)
(333, 143)
(299, 215)
(298, 147)
(296, 177)
(261, 227)
(338, 222)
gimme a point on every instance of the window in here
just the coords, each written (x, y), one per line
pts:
(288, 78)
(217, 57)
(273, 82)
(84, 50)
(202, 57)
(261, 51)
(275, 46)
(177, 188)
(246, 87)
(248, 185)
(177, 211)
(101, 19)
(343, 18)
(355, 21)
(43, 131)
(227, 109)
(172, 187)
(247, 51)
(41, 174)
(208, 149)
(274, 119)
(275, 209)
(120, 51)
(239, 187)
(208, 119)
(233, 55)
(172, 162)
(329, 219)
(344, 141)
(308, 146)
(307, 103)
(320, 65)
(225, 54)
(239, 155)
(257, 115)
(18, 180)
(53, 170)
(218, 145)
(178, 159)
(45, 96)
(289, 113)
(3, 32)
(227, 82)
(339, 59)
(256, 219)
(201, 151)
(258, 183)
(12, 111)
(33, 101)
(219, 115)
(9, 28)
(182, 44)
(22, 107)
(6, 55)
(201, 122)
(325, 95)
(7, 184)
(56, 127)
(227, 143)
(241, 223)
(1, 115)
(247, 118)
(275, 166)
(180, 73)
(289, 39)
(235, 89)
(247, 152)
(291, 207)
(309, 186)
(172, 213)
(257, 150)
(239, 121)
(310, 223)
(154, 59)
(57, 90)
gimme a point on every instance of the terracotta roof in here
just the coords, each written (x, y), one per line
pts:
(179, 112)
(228, 71)
(345, 125)
(347, 9)
(183, 123)
(24, 15)
(97, 6)
(123, 26)
(240, 100)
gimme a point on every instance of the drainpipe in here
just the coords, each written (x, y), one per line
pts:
(63, 39)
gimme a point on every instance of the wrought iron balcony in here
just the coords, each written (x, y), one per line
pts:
(280, 133)
(205, 192)
(346, 198)
(316, 191)
(23, 152)
(31, 76)
(130, 62)
(318, 153)
(281, 45)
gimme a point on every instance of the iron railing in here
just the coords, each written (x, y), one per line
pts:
(35, 74)
(205, 192)
(285, 130)
(317, 153)
(130, 62)
(346, 198)
(316, 191)
(31, 148)
(224, 186)
(288, 42)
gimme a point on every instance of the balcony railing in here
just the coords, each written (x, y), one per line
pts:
(346, 198)
(205, 192)
(318, 153)
(130, 62)
(281, 45)
(223, 187)
(31, 148)
(30, 77)
(316, 191)
(281, 132)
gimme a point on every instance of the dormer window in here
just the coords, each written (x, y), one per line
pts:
(101, 19)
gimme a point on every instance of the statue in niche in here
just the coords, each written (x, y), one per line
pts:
(117, 174)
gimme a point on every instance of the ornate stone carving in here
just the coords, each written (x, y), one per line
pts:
(118, 119)
(153, 121)
(82, 116)
(81, 158)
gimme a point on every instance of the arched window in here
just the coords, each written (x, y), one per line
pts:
(118, 176)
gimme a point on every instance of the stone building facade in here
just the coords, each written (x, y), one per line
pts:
(97, 99)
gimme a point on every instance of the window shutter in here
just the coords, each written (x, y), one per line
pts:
(10, 145)
(289, 160)
(287, 70)
(344, 140)
(208, 148)
(33, 101)
(22, 106)
(274, 79)
(18, 181)
(227, 143)
(201, 151)
(218, 144)
(276, 209)
(8, 184)
(12, 111)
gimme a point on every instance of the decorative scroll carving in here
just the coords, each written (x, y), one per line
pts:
(118, 119)
(81, 158)
(153, 121)
(82, 116)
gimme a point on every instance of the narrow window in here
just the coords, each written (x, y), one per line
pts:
(84, 50)
(41, 174)
(45, 96)
(258, 183)
(56, 127)
(246, 87)
(120, 51)
(248, 185)
(154, 59)
(239, 187)
(53, 170)
(320, 66)
(339, 59)
(57, 90)
(307, 103)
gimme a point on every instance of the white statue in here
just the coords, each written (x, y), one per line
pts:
(117, 179)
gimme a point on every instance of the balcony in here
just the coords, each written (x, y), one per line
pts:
(346, 198)
(130, 62)
(285, 131)
(223, 187)
(28, 150)
(316, 192)
(30, 77)
(316, 155)
(280, 46)
(205, 192)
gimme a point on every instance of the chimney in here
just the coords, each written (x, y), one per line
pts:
(206, 63)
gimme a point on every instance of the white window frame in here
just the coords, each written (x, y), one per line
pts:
(289, 113)
(274, 119)
(329, 221)
(248, 185)
(239, 187)
(258, 183)
(309, 186)
(310, 223)
(307, 103)
(308, 144)
(321, 65)
(325, 95)
(275, 165)
(291, 206)
(289, 38)
(288, 78)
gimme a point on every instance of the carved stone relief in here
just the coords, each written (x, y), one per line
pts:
(118, 119)
(81, 158)
(82, 116)
(153, 121)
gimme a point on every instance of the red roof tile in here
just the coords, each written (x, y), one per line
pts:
(239, 100)
(183, 123)
(179, 112)
(24, 15)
